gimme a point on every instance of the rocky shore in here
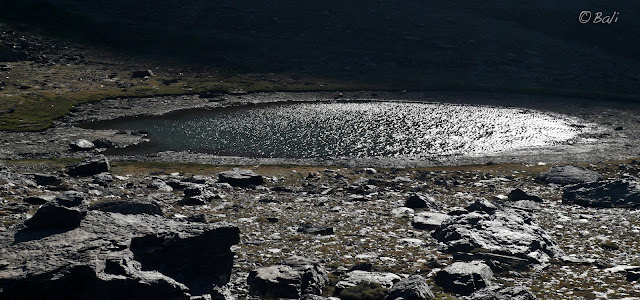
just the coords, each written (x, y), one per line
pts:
(612, 129)
(479, 232)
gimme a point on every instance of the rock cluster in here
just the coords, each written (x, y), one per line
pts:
(119, 249)
(488, 229)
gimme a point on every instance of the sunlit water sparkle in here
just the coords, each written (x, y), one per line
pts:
(372, 129)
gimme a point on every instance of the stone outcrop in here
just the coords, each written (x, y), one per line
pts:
(618, 193)
(113, 256)
(503, 231)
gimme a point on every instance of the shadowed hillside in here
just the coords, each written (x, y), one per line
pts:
(523, 44)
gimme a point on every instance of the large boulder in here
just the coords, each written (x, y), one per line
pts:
(240, 178)
(568, 175)
(618, 193)
(464, 278)
(518, 195)
(414, 287)
(503, 293)
(54, 216)
(296, 277)
(116, 256)
(89, 167)
(505, 231)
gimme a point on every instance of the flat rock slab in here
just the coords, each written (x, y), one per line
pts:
(608, 194)
(116, 256)
(568, 175)
(129, 207)
(428, 220)
(240, 178)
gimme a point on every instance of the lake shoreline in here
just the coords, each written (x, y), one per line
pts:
(605, 144)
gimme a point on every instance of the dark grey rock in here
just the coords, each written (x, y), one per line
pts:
(46, 179)
(115, 256)
(104, 143)
(428, 220)
(39, 199)
(90, 167)
(464, 278)
(53, 216)
(129, 207)
(497, 262)
(160, 185)
(311, 229)
(314, 297)
(70, 199)
(503, 293)
(240, 178)
(482, 205)
(568, 175)
(506, 232)
(142, 74)
(618, 193)
(296, 277)
(103, 178)
(414, 287)
(193, 201)
(198, 194)
(81, 145)
(518, 194)
(421, 201)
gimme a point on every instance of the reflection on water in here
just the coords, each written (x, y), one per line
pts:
(327, 130)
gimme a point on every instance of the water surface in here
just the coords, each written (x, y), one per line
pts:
(332, 130)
